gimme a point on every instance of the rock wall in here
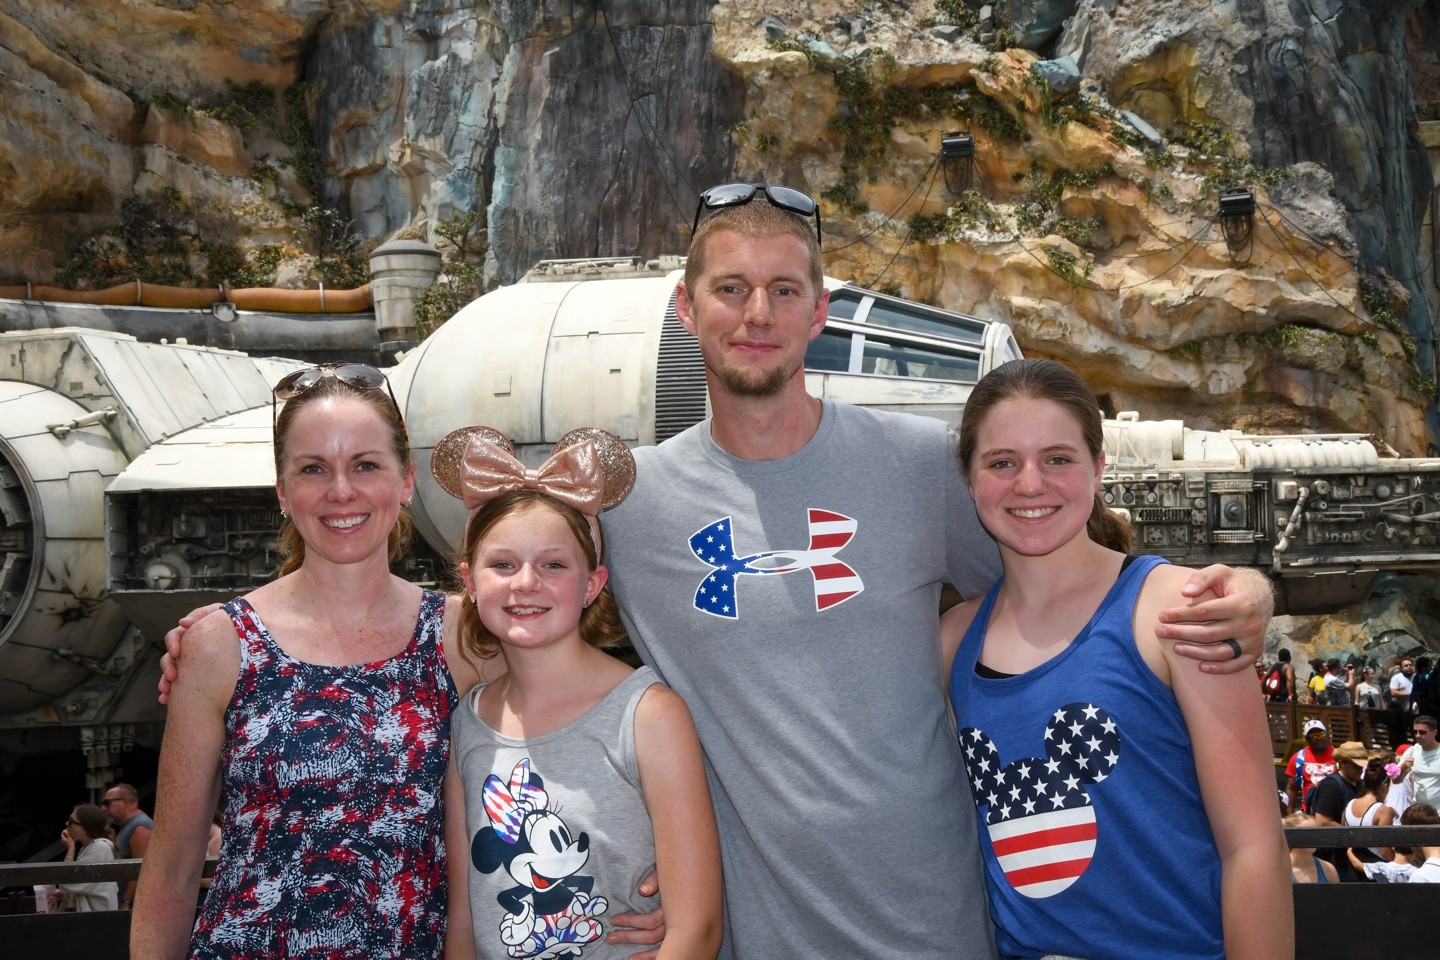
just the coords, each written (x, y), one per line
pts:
(588, 130)
(1088, 221)
(580, 131)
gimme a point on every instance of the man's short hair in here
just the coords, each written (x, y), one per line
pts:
(1333, 663)
(1419, 815)
(758, 218)
(1426, 719)
(127, 792)
(1284, 654)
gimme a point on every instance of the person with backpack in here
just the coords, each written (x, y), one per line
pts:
(1425, 690)
(1310, 764)
(1279, 683)
(1333, 794)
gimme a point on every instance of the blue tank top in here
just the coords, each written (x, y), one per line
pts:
(1094, 836)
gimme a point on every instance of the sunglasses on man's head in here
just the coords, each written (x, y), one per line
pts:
(739, 194)
(362, 376)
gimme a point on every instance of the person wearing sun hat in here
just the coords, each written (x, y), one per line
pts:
(1335, 792)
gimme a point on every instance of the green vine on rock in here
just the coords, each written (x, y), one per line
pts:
(1381, 305)
(462, 243)
(153, 242)
(969, 211)
(1063, 263)
(872, 106)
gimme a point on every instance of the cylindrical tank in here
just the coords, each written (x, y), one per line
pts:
(535, 360)
(400, 272)
(54, 612)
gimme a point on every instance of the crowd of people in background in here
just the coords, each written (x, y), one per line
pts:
(1358, 786)
(114, 829)
(1412, 687)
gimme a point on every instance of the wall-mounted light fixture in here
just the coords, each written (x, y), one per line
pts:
(957, 158)
(1237, 218)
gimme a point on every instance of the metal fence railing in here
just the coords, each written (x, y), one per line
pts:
(1381, 921)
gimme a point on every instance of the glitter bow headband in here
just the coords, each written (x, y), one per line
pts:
(590, 470)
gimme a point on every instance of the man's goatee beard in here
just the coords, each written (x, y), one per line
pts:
(765, 385)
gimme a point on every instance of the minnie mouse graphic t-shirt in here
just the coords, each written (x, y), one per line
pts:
(559, 838)
(1092, 829)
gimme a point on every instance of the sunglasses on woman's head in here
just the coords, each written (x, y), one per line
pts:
(362, 376)
(739, 194)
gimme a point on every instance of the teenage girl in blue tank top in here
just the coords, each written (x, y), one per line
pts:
(1126, 800)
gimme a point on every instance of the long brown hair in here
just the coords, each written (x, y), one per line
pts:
(291, 545)
(600, 624)
(93, 821)
(1046, 380)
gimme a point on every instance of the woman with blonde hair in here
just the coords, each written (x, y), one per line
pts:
(1305, 867)
(322, 702)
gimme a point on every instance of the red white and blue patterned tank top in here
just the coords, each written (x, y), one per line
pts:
(332, 842)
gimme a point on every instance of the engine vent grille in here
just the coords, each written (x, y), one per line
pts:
(679, 379)
(1163, 515)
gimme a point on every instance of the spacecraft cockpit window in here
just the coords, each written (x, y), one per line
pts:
(870, 333)
(915, 319)
(843, 304)
(906, 360)
(829, 352)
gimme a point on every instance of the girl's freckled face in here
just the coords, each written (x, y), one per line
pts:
(1032, 477)
(531, 578)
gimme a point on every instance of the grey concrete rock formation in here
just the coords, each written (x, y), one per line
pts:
(1063, 74)
(580, 133)
(1034, 22)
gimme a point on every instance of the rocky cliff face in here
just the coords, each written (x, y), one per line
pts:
(1103, 131)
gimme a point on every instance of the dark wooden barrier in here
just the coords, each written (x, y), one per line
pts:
(1365, 921)
(1340, 921)
(101, 935)
(1377, 729)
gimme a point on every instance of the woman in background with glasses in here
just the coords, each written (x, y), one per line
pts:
(87, 832)
(322, 702)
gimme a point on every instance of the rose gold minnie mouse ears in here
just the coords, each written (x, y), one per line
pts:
(590, 469)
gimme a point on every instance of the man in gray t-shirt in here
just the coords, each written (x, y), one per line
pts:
(780, 566)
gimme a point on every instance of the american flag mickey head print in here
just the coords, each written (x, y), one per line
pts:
(1040, 818)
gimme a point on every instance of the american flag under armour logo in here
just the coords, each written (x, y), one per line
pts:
(835, 582)
(1041, 823)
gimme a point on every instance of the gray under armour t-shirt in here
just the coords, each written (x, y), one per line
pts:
(559, 835)
(846, 824)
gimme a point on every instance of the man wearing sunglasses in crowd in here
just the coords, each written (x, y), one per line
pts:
(780, 565)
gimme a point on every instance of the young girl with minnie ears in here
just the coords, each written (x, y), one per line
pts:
(573, 775)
